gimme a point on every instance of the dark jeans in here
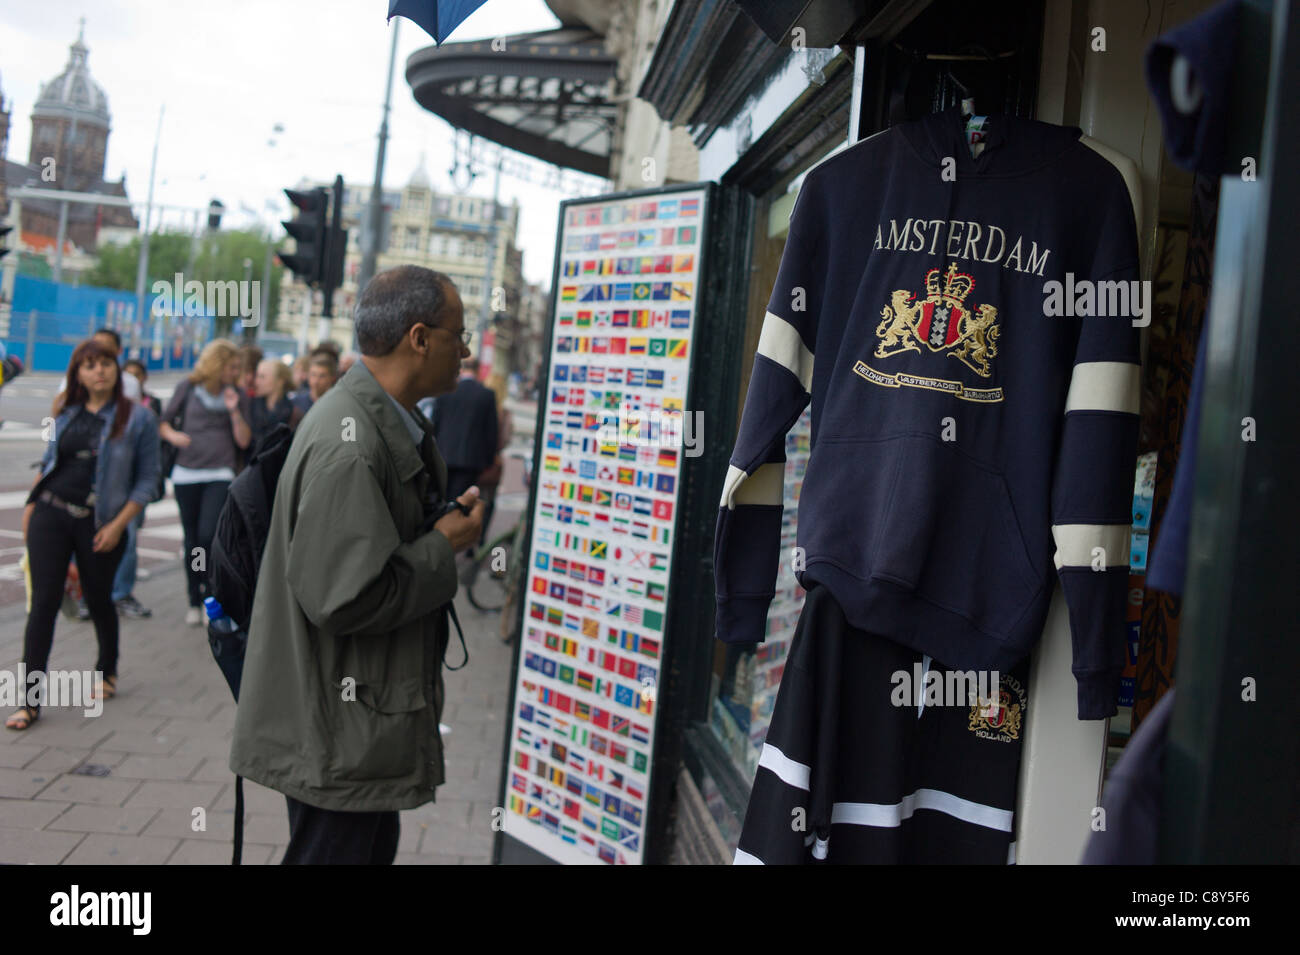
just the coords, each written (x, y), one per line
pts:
(200, 505)
(330, 837)
(53, 537)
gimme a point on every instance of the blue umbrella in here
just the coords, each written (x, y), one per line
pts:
(436, 17)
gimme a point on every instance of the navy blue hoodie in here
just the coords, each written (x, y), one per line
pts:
(974, 423)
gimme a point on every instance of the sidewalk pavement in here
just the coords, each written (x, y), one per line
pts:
(124, 787)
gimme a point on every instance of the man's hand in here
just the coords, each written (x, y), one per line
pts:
(463, 531)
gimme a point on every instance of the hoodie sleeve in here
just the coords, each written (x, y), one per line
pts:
(746, 548)
(1092, 491)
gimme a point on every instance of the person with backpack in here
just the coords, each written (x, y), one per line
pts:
(206, 422)
(97, 474)
(342, 689)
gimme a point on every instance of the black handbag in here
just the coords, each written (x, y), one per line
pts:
(168, 453)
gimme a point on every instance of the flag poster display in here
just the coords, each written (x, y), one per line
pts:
(613, 431)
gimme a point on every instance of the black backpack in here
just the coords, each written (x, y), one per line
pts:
(243, 526)
(236, 557)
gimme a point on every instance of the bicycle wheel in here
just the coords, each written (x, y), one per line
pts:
(514, 584)
(487, 587)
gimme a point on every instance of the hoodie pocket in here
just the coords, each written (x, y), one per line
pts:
(378, 734)
(949, 534)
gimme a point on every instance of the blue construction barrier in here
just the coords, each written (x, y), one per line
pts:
(49, 319)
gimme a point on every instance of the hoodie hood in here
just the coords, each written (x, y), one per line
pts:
(1012, 146)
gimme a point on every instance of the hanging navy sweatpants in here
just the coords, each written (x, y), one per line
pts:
(858, 767)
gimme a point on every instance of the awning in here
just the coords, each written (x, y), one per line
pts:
(547, 94)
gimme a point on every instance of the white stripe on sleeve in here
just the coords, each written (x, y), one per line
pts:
(781, 343)
(1074, 544)
(1104, 386)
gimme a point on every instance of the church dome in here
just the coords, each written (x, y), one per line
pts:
(420, 178)
(73, 92)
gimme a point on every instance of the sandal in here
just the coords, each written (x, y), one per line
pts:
(107, 691)
(22, 718)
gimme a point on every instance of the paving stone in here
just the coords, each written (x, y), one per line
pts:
(59, 760)
(95, 790)
(445, 812)
(24, 783)
(221, 726)
(199, 707)
(173, 795)
(213, 769)
(20, 847)
(105, 819)
(48, 731)
(143, 743)
(459, 842)
(119, 721)
(99, 849)
(277, 853)
(19, 754)
(29, 813)
(178, 822)
(197, 852)
(205, 746)
(157, 767)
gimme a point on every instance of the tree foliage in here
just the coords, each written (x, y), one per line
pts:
(216, 257)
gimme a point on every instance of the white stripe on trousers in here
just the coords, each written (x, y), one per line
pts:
(882, 814)
(888, 816)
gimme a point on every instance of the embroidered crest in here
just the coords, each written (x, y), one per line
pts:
(941, 321)
(999, 721)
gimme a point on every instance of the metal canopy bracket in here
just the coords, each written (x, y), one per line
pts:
(549, 95)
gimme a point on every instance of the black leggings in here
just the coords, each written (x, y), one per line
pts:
(200, 505)
(53, 537)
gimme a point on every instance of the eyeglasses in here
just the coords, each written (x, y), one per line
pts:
(465, 335)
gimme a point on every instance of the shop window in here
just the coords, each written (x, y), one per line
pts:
(746, 678)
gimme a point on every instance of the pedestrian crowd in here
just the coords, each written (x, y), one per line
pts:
(114, 446)
(363, 536)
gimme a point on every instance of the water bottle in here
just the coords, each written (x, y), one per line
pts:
(228, 643)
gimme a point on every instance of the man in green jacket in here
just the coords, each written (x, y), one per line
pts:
(342, 683)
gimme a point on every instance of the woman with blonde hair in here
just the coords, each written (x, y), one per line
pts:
(272, 406)
(207, 421)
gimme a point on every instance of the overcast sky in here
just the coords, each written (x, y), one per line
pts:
(228, 71)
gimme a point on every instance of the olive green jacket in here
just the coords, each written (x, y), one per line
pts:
(342, 685)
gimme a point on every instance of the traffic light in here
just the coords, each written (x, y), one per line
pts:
(4, 243)
(309, 231)
(215, 208)
(336, 244)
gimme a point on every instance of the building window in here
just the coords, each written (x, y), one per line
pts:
(412, 238)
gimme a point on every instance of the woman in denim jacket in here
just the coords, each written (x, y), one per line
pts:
(99, 471)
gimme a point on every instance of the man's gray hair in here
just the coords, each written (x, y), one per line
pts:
(393, 301)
